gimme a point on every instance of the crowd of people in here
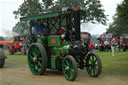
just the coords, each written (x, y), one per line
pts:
(113, 44)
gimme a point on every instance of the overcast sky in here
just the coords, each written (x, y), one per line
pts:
(7, 20)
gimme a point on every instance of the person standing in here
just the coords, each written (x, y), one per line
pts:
(39, 27)
(92, 48)
(25, 47)
(113, 46)
(119, 43)
(106, 43)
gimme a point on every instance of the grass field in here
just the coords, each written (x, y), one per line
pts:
(17, 59)
(114, 65)
(114, 72)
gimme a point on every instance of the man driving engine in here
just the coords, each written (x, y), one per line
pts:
(39, 28)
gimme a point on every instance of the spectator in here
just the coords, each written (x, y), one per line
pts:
(119, 43)
(25, 47)
(106, 43)
(39, 27)
(113, 46)
(92, 47)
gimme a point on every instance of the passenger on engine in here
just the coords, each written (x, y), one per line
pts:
(92, 47)
(39, 27)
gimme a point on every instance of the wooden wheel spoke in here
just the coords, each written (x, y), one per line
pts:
(39, 58)
(34, 54)
(30, 57)
(72, 70)
(38, 53)
(94, 71)
(88, 65)
(95, 60)
(67, 63)
(92, 58)
(89, 68)
(37, 67)
(96, 64)
(70, 65)
(31, 54)
(67, 72)
(65, 66)
(70, 74)
(91, 71)
(35, 49)
(39, 64)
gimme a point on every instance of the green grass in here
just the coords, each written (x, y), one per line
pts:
(114, 65)
(111, 65)
(16, 60)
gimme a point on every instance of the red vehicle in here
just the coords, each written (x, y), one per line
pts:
(10, 44)
(104, 37)
(5, 42)
(125, 41)
(85, 36)
(16, 44)
(15, 47)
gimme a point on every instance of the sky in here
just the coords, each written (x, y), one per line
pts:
(8, 21)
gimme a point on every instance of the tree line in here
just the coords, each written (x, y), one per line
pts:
(120, 19)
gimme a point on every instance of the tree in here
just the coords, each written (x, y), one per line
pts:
(93, 8)
(21, 28)
(120, 23)
(29, 8)
(47, 4)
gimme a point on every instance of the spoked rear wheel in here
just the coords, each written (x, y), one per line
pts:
(37, 59)
(69, 67)
(94, 65)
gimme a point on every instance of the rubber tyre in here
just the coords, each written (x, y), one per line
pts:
(96, 62)
(74, 67)
(2, 58)
(43, 55)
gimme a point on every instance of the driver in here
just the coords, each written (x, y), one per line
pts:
(39, 27)
(64, 34)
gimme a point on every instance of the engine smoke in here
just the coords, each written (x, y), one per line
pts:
(7, 33)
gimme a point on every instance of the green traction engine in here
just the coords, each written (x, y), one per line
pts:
(60, 46)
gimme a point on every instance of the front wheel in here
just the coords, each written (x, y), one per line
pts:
(69, 67)
(37, 59)
(93, 65)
